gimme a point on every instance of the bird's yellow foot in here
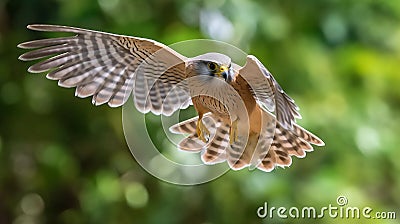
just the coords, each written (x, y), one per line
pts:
(233, 132)
(202, 131)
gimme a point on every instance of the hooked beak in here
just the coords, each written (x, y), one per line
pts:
(225, 73)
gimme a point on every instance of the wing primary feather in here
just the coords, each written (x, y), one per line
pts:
(91, 60)
(268, 93)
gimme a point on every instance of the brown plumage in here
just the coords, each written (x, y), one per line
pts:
(234, 124)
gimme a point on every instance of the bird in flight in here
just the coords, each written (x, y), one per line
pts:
(244, 116)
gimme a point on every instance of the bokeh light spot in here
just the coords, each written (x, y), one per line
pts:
(136, 195)
(217, 26)
(108, 186)
(367, 139)
(32, 204)
(108, 5)
(334, 28)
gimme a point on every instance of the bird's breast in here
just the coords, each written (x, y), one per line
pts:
(215, 95)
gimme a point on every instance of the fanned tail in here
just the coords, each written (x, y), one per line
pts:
(213, 151)
(273, 147)
(285, 144)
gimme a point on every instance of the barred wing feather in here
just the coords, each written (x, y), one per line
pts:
(108, 67)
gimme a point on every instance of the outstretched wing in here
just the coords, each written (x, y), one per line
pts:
(269, 93)
(108, 67)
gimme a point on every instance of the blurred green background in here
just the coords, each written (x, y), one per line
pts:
(66, 161)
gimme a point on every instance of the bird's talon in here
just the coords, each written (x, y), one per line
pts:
(233, 132)
(202, 132)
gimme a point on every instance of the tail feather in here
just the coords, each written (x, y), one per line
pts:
(212, 152)
(191, 144)
(269, 162)
(307, 136)
(287, 143)
(185, 127)
(274, 147)
(237, 158)
(215, 151)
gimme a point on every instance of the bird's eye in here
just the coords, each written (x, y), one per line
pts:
(212, 66)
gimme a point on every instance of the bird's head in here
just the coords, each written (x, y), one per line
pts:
(213, 65)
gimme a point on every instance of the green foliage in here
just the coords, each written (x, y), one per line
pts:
(65, 161)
